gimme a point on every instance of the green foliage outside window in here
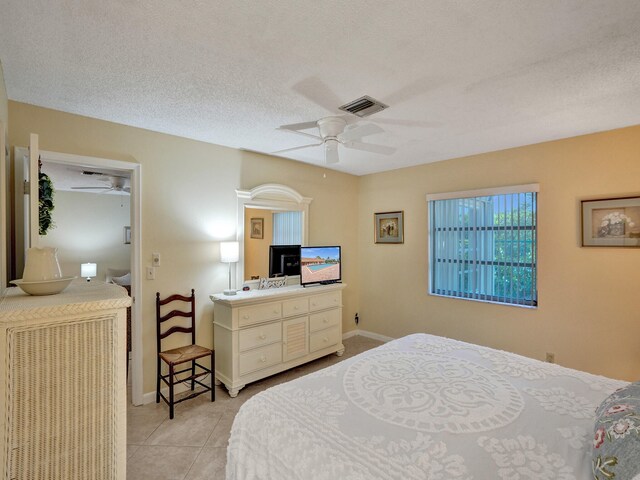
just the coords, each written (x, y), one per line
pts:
(45, 203)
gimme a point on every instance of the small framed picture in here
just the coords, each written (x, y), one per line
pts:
(257, 228)
(127, 235)
(389, 227)
(611, 222)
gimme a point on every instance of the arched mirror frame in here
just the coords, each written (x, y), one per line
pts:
(270, 196)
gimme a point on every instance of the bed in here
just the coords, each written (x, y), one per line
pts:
(423, 407)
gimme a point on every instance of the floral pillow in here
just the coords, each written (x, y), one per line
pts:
(616, 443)
(266, 283)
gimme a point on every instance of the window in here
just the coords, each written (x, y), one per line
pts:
(287, 228)
(482, 245)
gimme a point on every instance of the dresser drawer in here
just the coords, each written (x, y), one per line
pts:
(326, 300)
(297, 306)
(328, 318)
(259, 313)
(260, 358)
(260, 336)
(324, 339)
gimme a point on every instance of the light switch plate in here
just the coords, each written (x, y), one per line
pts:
(151, 273)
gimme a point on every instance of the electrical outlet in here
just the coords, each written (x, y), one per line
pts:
(155, 259)
(551, 357)
(151, 273)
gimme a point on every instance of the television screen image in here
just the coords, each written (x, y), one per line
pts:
(319, 265)
(284, 260)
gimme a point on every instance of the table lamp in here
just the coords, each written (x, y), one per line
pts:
(88, 270)
(229, 253)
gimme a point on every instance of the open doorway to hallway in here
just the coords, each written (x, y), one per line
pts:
(97, 217)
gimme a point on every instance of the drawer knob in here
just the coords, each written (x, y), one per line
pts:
(313, 304)
(325, 339)
(263, 359)
(275, 312)
(262, 336)
(325, 320)
(296, 308)
(246, 317)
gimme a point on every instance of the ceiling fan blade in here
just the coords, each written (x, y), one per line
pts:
(359, 132)
(298, 148)
(371, 147)
(315, 137)
(99, 174)
(319, 93)
(408, 123)
(299, 126)
(90, 188)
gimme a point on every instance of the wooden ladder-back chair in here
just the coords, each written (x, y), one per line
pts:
(178, 356)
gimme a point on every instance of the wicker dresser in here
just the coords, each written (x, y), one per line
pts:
(63, 383)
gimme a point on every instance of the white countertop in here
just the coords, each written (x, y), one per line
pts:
(79, 296)
(275, 293)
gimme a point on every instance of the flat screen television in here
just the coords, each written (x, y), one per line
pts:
(320, 265)
(284, 260)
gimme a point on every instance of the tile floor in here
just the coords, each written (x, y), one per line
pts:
(194, 444)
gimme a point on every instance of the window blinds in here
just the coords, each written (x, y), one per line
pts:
(484, 247)
(287, 228)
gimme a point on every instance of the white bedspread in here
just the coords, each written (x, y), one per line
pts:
(422, 407)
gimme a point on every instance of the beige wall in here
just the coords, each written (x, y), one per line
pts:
(256, 251)
(589, 313)
(4, 102)
(89, 227)
(4, 185)
(189, 204)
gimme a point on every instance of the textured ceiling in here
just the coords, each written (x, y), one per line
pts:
(460, 77)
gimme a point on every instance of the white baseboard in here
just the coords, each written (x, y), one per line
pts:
(365, 333)
(349, 334)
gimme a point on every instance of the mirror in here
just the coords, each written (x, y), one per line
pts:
(260, 203)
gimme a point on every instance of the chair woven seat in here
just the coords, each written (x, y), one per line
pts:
(184, 354)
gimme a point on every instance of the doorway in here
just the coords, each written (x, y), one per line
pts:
(108, 176)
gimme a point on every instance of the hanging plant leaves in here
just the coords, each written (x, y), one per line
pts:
(45, 203)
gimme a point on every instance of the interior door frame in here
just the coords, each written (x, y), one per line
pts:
(134, 169)
(4, 192)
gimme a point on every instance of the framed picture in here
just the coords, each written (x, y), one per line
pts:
(389, 227)
(257, 228)
(127, 235)
(611, 222)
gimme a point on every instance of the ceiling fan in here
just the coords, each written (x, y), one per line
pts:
(116, 183)
(335, 131)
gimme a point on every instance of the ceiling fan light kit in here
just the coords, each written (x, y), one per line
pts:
(335, 131)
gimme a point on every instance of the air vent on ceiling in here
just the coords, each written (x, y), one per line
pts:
(364, 106)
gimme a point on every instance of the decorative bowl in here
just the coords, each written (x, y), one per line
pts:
(43, 287)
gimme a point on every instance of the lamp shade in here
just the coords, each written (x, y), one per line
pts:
(229, 252)
(88, 270)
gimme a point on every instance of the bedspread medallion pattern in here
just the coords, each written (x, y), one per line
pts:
(422, 407)
(425, 392)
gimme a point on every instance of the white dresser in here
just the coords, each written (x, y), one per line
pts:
(63, 383)
(263, 332)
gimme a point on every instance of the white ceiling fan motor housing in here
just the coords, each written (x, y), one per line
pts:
(331, 127)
